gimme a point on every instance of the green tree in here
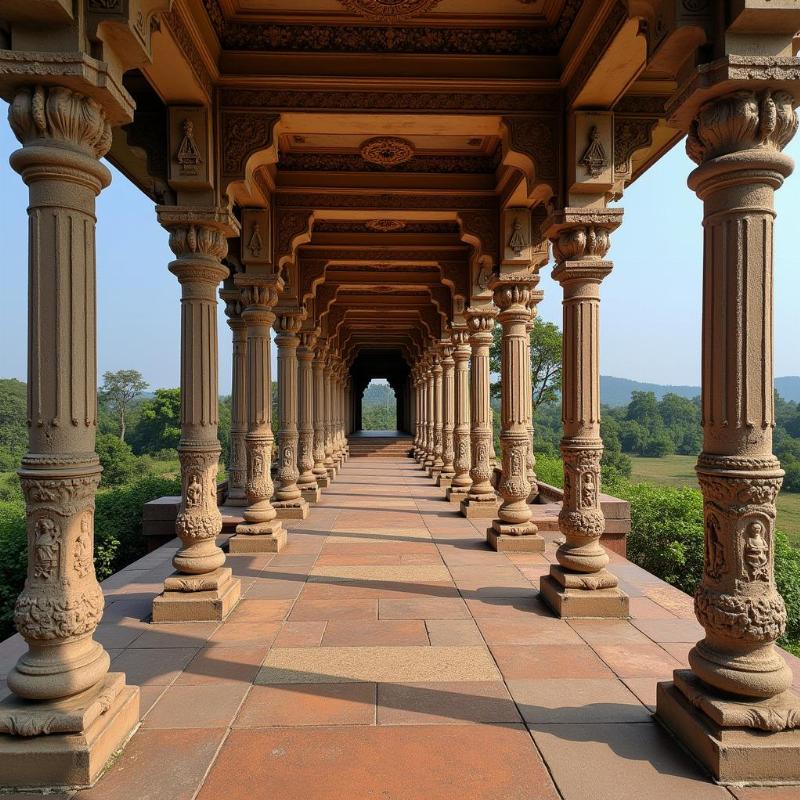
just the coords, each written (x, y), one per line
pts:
(13, 423)
(546, 340)
(117, 460)
(119, 390)
(159, 425)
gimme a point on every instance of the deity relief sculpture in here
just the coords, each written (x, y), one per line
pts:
(194, 492)
(755, 553)
(716, 565)
(47, 549)
(188, 156)
(82, 549)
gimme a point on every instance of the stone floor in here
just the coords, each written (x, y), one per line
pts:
(387, 653)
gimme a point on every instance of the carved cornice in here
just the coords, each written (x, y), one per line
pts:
(630, 134)
(244, 133)
(332, 162)
(485, 226)
(289, 224)
(180, 33)
(333, 100)
(537, 138)
(393, 38)
(326, 226)
(388, 200)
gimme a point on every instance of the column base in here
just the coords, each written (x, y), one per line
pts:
(479, 509)
(523, 539)
(331, 473)
(311, 495)
(66, 743)
(197, 598)
(444, 481)
(455, 494)
(573, 594)
(434, 473)
(291, 509)
(323, 481)
(258, 537)
(236, 502)
(719, 732)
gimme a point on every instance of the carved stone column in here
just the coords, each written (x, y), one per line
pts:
(415, 400)
(734, 708)
(288, 501)
(580, 585)
(307, 480)
(430, 425)
(462, 461)
(237, 458)
(261, 531)
(448, 415)
(481, 502)
(422, 452)
(530, 464)
(202, 588)
(330, 463)
(438, 417)
(318, 370)
(63, 136)
(513, 529)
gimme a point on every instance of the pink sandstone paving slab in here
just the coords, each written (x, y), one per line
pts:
(645, 688)
(533, 630)
(456, 632)
(244, 634)
(159, 764)
(260, 610)
(644, 608)
(180, 634)
(766, 793)
(153, 666)
(637, 660)
(387, 633)
(299, 705)
(288, 764)
(223, 665)
(634, 761)
(447, 702)
(308, 609)
(608, 631)
(423, 608)
(300, 634)
(206, 706)
(670, 630)
(531, 662)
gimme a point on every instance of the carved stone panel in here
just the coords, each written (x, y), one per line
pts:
(256, 248)
(593, 152)
(190, 164)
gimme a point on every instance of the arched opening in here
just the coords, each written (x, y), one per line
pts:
(379, 407)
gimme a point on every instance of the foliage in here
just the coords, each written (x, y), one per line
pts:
(119, 463)
(545, 338)
(13, 423)
(13, 560)
(550, 470)
(119, 390)
(160, 423)
(378, 408)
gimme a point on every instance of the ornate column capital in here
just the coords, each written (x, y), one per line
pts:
(306, 351)
(480, 322)
(258, 300)
(233, 308)
(287, 326)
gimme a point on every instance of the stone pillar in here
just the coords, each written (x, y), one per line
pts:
(202, 588)
(580, 585)
(415, 385)
(735, 708)
(430, 425)
(481, 502)
(513, 529)
(63, 136)
(288, 501)
(461, 483)
(530, 464)
(237, 458)
(318, 370)
(330, 463)
(438, 421)
(422, 452)
(261, 531)
(307, 480)
(448, 415)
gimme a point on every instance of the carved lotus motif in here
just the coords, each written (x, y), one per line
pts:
(387, 151)
(385, 225)
(389, 10)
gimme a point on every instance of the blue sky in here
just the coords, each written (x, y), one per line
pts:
(650, 314)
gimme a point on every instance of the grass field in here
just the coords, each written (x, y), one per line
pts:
(679, 471)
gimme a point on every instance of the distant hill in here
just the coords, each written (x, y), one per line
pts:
(379, 394)
(617, 391)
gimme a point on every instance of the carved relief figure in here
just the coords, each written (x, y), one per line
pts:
(82, 554)
(194, 492)
(518, 240)
(188, 155)
(715, 551)
(594, 158)
(288, 457)
(47, 549)
(256, 244)
(517, 462)
(756, 552)
(258, 464)
(589, 492)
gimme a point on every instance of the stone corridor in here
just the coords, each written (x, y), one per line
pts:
(387, 652)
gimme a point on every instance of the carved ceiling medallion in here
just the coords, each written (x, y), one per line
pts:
(389, 10)
(385, 225)
(387, 151)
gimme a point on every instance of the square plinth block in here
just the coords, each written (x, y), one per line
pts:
(479, 509)
(513, 543)
(434, 473)
(444, 481)
(311, 495)
(716, 731)
(456, 495)
(197, 598)
(569, 601)
(265, 537)
(291, 509)
(86, 731)
(331, 473)
(323, 481)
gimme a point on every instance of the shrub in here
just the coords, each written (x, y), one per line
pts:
(549, 469)
(13, 560)
(117, 459)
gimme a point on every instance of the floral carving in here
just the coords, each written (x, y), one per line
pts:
(581, 242)
(389, 10)
(47, 617)
(385, 225)
(757, 619)
(387, 151)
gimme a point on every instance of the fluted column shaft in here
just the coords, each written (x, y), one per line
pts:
(737, 141)
(237, 458)
(514, 514)
(448, 410)
(305, 460)
(287, 341)
(318, 370)
(328, 372)
(535, 298)
(63, 134)
(480, 323)
(430, 426)
(461, 429)
(438, 410)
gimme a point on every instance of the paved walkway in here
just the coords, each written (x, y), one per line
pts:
(388, 654)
